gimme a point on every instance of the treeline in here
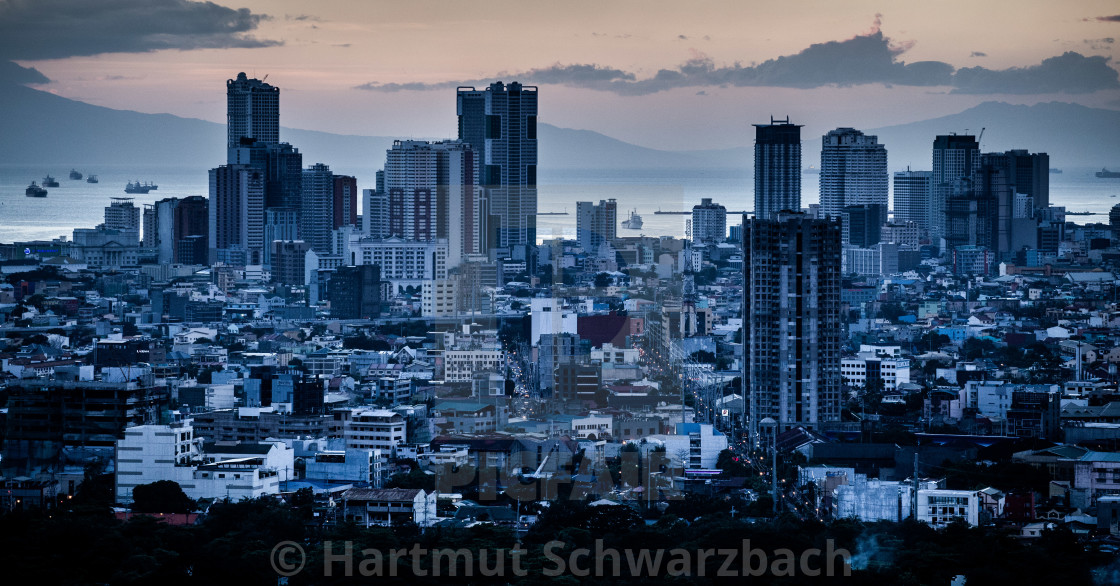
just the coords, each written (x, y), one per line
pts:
(238, 543)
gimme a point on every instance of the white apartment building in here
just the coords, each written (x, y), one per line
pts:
(404, 263)
(550, 316)
(608, 354)
(437, 298)
(940, 507)
(891, 371)
(594, 427)
(459, 366)
(372, 429)
(150, 453)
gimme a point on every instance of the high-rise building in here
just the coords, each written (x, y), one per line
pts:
(410, 182)
(791, 310)
(596, 223)
(288, 261)
(279, 224)
(1027, 173)
(355, 292)
(252, 110)
(853, 172)
(862, 224)
(169, 221)
(236, 212)
(121, 214)
(317, 207)
(709, 222)
(913, 191)
(345, 201)
(777, 168)
(500, 124)
(431, 194)
(956, 164)
(375, 213)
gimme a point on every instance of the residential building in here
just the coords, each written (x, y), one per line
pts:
(709, 222)
(252, 110)
(596, 223)
(777, 168)
(853, 173)
(371, 429)
(793, 329)
(317, 207)
(355, 292)
(913, 192)
(940, 507)
(500, 124)
(236, 212)
(372, 507)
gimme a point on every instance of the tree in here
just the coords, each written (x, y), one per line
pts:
(161, 496)
(603, 280)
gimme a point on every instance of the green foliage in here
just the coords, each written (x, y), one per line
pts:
(415, 478)
(161, 496)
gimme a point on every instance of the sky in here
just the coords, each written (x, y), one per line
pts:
(663, 74)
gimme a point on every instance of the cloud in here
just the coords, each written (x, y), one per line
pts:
(864, 59)
(978, 54)
(55, 29)
(1113, 18)
(302, 17)
(682, 37)
(582, 76)
(13, 73)
(1070, 73)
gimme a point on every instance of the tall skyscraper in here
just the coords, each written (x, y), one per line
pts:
(913, 191)
(252, 110)
(410, 182)
(122, 214)
(709, 222)
(345, 201)
(777, 168)
(317, 208)
(596, 224)
(375, 213)
(956, 163)
(355, 292)
(236, 209)
(791, 307)
(431, 194)
(1027, 173)
(500, 124)
(853, 172)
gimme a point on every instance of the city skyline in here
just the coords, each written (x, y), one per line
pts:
(692, 70)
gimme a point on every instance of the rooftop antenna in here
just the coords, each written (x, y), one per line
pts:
(263, 79)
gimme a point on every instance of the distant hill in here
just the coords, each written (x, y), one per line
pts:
(40, 128)
(1073, 135)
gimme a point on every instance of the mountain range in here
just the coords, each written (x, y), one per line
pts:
(37, 127)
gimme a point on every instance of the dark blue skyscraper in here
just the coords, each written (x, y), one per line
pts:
(500, 123)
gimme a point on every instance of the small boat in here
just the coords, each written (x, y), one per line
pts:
(91, 179)
(76, 176)
(136, 187)
(1055, 171)
(49, 181)
(634, 222)
(35, 191)
(1106, 174)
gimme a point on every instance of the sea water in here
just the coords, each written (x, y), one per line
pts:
(78, 204)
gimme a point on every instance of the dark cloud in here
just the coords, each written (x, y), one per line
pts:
(302, 17)
(583, 76)
(1113, 18)
(54, 29)
(1071, 73)
(865, 59)
(978, 54)
(13, 73)
(682, 37)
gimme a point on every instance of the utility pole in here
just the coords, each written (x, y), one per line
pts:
(914, 489)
